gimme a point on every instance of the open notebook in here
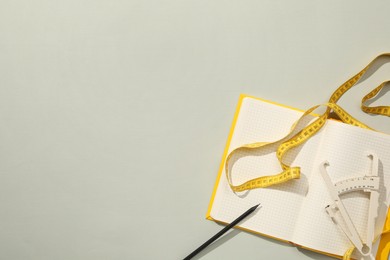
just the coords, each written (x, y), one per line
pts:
(295, 211)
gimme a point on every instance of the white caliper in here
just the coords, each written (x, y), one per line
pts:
(337, 211)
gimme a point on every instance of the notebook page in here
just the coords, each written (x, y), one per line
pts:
(345, 147)
(262, 121)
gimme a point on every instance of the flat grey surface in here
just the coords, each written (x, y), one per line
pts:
(114, 114)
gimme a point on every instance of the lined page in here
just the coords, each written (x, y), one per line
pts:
(345, 147)
(261, 121)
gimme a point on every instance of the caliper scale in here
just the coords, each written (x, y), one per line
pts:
(338, 212)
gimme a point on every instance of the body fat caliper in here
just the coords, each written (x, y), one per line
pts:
(338, 212)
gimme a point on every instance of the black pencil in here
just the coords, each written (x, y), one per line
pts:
(223, 231)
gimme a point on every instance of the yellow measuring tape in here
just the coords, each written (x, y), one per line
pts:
(297, 136)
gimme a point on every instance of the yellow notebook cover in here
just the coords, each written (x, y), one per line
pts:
(333, 131)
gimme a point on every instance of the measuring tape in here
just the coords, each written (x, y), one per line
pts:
(297, 136)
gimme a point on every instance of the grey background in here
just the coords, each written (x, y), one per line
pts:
(114, 114)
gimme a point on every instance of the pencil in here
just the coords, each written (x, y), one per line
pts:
(223, 231)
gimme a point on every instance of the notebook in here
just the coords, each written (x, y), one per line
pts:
(295, 211)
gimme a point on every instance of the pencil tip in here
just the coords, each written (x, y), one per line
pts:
(256, 206)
